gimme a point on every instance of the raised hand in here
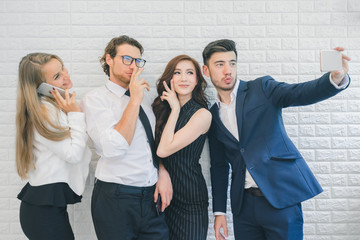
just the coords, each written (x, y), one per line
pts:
(170, 96)
(136, 86)
(68, 104)
(337, 76)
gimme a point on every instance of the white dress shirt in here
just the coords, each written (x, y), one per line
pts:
(64, 161)
(228, 117)
(119, 162)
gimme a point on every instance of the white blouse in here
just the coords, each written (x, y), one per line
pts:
(64, 161)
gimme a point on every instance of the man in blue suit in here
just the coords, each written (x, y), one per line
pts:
(269, 177)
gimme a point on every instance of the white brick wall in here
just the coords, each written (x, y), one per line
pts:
(281, 38)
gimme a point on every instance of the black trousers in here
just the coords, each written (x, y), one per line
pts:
(126, 212)
(45, 222)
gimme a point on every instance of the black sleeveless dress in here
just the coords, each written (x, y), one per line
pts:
(187, 215)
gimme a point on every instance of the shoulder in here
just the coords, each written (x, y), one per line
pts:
(94, 96)
(203, 112)
(95, 93)
(264, 84)
(261, 81)
(202, 115)
(54, 114)
(50, 108)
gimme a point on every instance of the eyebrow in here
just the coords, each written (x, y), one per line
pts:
(221, 61)
(192, 69)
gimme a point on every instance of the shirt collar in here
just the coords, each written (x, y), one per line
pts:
(114, 88)
(233, 93)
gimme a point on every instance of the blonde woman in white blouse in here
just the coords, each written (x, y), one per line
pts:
(51, 150)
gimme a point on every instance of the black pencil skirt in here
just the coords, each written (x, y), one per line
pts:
(45, 222)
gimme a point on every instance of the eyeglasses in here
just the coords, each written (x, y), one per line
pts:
(127, 60)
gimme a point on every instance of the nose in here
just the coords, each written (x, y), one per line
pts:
(183, 77)
(133, 64)
(227, 69)
(65, 73)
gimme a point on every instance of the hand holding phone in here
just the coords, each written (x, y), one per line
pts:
(67, 101)
(45, 89)
(330, 61)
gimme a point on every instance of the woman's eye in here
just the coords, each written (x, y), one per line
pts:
(191, 72)
(175, 73)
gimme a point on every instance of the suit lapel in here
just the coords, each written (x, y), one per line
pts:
(216, 118)
(240, 99)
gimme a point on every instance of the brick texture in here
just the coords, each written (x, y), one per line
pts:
(278, 38)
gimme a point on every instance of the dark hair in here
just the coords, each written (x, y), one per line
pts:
(222, 45)
(162, 108)
(111, 49)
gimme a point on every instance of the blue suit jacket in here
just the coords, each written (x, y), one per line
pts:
(264, 147)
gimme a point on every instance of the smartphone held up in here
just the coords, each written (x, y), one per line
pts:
(330, 60)
(45, 89)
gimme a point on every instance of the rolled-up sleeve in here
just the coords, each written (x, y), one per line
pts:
(100, 122)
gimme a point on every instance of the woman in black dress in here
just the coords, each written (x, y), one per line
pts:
(182, 121)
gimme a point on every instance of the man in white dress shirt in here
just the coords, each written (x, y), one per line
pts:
(128, 183)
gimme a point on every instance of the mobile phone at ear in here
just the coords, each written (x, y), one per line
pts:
(330, 60)
(45, 89)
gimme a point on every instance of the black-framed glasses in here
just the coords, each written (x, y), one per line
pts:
(127, 60)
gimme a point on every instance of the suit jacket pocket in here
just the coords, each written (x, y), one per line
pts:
(289, 157)
(253, 109)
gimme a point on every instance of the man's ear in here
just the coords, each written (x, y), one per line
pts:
(206, 71)
(108, 59)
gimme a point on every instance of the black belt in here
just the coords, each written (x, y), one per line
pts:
(254, 191)
(120, 188)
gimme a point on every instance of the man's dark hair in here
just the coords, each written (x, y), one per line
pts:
(222, 45)
(111, 49)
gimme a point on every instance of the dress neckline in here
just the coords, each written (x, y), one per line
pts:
(188, 104)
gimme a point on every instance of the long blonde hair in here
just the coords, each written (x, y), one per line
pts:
(31, 114)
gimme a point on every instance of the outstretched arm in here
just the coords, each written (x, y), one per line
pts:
(284, 95)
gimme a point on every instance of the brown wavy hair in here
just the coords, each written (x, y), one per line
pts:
(162, 108)
(111, 49)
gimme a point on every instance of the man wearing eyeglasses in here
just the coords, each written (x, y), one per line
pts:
(120, 122)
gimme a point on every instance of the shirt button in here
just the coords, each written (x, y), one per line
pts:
(242, 150)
